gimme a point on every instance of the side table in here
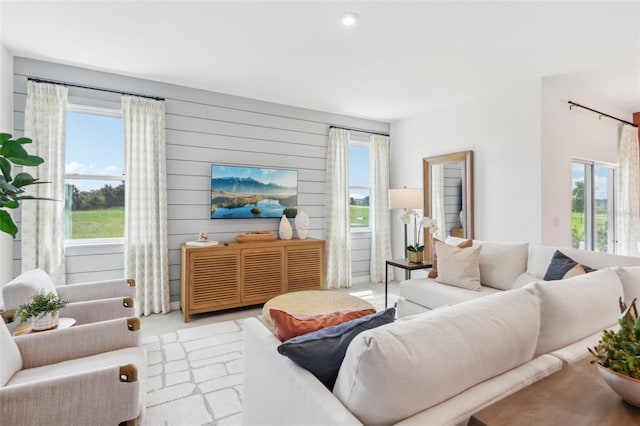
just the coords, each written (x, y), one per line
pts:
(62, 323)
(403, 264)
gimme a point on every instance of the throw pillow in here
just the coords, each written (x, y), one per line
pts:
(457, 266)
(434, 268)
(288, 325)
(562, 266)
(321, 352)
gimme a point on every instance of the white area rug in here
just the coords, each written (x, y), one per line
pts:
(195, 376)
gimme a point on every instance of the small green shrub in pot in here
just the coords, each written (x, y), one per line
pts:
(40, 305)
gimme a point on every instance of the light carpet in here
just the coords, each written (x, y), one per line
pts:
(195, 376)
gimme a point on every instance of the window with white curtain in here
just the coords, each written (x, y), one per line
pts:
(593, 206)
(94, 175)
(359, 183)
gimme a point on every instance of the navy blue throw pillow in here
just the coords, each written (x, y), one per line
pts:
(562, 266)
(321, 352)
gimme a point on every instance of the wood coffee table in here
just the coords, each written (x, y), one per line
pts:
(575, 395)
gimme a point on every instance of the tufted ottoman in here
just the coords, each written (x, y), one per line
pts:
(313, 302)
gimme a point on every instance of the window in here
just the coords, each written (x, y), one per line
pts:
(94, 174)
(593, 206)
(359, 186)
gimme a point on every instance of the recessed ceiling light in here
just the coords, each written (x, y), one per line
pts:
(349, 19)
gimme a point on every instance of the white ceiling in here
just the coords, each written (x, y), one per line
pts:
(400, 59)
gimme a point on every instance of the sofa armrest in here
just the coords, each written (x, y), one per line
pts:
(97, 290)
(78, 342)
(72, 400)
(99, 310)
(279, 392)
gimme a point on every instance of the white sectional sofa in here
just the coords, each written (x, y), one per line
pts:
(503, 266)
(441, 366)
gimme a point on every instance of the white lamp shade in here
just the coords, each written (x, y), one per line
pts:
(405, 198)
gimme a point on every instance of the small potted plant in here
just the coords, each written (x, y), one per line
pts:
(618, 355)
(415, 251)
(42, 310)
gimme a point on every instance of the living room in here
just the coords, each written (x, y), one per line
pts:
(490, 77)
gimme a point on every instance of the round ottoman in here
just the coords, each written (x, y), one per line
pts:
(313, 302)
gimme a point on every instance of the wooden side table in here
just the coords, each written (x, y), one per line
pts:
(403, 264)
(62, 323)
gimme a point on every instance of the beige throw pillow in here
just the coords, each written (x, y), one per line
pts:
(459, 267)
(434, 268)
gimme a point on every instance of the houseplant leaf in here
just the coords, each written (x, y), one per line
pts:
(6, 224)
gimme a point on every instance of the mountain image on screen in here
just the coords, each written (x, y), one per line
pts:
(249, 192)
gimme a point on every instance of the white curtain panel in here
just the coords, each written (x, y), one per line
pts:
(42, 228)
(146, 255)
(338, 226)
(437, 200)
(628, 196)
(379, 208)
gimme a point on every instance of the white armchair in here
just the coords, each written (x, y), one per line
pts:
(93, 374)
(89, 302)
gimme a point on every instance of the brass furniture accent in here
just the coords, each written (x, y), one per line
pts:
(463, 162)
(575, 395)
(242, 274)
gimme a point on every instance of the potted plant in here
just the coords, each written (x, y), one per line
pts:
(618, 355)
(12, 187)
(415, 251)
(42, 310)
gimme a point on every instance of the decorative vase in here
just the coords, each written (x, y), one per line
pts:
(302, 225)
(285, 232)
(45, 321)
(626, 387)
(415, 256)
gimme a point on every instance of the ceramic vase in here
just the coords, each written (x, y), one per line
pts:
(45, 321)
(626, 387)
(302, 225)
(285, 231)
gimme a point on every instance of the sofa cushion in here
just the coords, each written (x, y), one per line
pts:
(458, 266)
(20, 290)
(11, 359)
(289, 325)
(562, 266)
(321, 352)
(500, 263)
(433, 273)
(630, 279)
(540, 257)
(575, 308)
(432, 295)
(396, 371)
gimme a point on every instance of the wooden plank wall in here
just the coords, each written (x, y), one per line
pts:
(202, 128)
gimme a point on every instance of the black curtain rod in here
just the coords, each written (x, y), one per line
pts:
(602, 114)
(102, 89)
(358, 130)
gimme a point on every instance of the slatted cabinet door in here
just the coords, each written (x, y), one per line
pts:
(305, 267)
(263, 270)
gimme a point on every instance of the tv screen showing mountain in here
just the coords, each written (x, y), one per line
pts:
(239, 192)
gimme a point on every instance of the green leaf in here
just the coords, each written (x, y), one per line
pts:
(22, 141)
(6, 224)
(4, 137)
(23, 179)
(5, 167)
(8, 202)
(15, 153)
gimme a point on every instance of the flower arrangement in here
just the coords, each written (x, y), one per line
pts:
(418, 223)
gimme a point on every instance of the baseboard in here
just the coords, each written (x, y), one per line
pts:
(174, 305)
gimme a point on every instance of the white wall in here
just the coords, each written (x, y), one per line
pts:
(569, 134)
(202, 128)
(503, 130)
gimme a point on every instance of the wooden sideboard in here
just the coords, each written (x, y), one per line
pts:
(230, 275)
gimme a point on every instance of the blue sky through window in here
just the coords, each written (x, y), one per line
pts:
(358, 169)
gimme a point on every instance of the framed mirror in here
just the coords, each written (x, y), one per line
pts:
(448, 196)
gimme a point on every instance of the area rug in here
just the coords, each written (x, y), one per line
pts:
(195, 376)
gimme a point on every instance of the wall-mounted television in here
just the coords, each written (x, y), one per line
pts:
(240, 192)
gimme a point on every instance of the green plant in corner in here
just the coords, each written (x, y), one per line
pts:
(12, 188)
(40, 305)
(620, 351)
